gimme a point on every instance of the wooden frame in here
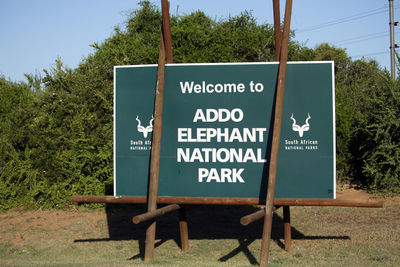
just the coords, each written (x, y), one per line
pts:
(176, 203)
(231, 201)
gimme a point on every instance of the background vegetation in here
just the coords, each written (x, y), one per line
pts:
(56, 131)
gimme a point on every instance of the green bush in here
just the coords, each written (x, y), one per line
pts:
(377, 153)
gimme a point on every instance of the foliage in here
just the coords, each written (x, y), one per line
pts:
(367, 122)
(56, 131)
(197, 38)
(63, 146)
(376, 143)
(14, 168)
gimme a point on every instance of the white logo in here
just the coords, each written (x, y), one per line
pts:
(145, 130)
(303, 128)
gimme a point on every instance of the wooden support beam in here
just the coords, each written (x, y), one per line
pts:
(246, 220)
(255, 216)
(277, 29)
(155, 153)
(154, 213)
(183, 229)
(166, 28)
(266, 236)
(287, 231)
(370, 203)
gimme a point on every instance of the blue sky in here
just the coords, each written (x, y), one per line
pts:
(35, 33)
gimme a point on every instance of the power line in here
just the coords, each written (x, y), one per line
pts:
(372, 54)
(362, 38)
(346, 19)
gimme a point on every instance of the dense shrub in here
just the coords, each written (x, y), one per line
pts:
(376, 143)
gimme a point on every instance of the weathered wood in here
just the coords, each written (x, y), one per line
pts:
(266, 236)
(155, 153)
(150, 241)
(154, 213)
(183, 226)
(255, 216)
(166, 28)
(287, 231)
(277, 29)
(246, 220)
(371, 203)
(183, 229)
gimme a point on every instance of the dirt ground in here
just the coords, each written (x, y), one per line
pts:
(25, 221)
(357, 194)
(42, 233)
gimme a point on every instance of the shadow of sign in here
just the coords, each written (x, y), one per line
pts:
(205, 222)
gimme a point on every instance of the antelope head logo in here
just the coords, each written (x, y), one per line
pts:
(301, 129)
(145, 130)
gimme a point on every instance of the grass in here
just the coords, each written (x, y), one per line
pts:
(321, 237)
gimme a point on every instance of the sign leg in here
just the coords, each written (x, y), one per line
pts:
(183, 229)
(287, 228)
(150, 240)
(155, 152)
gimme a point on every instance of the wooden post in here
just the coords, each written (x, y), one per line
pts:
(277, 29)
(183, 227)
(166, 28)
(287, 228)
(266, 236)
(156, 147)
(286, 209)
(155, 153)
(165, 56)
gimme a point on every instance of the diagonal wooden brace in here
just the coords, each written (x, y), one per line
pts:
(255, 216)
(155, 213)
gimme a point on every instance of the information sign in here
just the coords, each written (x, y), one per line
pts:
(217, 130)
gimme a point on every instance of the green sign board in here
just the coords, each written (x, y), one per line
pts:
(217, 130)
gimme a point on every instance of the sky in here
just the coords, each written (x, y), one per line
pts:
(33, 34)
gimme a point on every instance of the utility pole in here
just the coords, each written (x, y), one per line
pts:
(393, 46)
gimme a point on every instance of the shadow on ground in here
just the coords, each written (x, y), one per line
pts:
(204, 222)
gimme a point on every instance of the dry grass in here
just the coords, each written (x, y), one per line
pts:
(321, 237)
